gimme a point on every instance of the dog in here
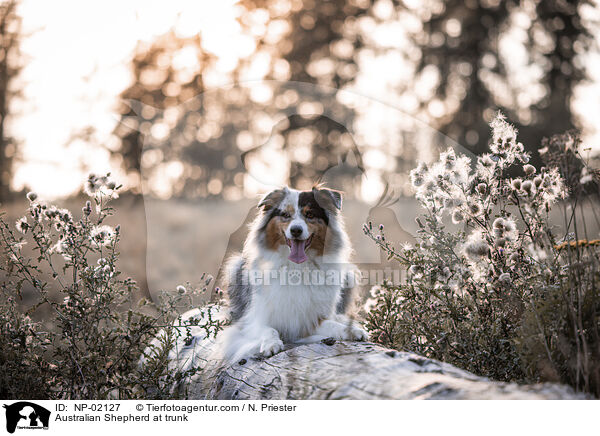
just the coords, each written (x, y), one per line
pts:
(293, 282)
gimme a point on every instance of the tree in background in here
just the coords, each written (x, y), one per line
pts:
(474, 57)
(520, 57)
(207, 134)
(10, 31)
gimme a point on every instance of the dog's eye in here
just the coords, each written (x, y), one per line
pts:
(309, 215)
(285, 215)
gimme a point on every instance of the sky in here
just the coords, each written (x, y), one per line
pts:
(77, 61)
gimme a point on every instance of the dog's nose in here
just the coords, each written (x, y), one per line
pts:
(296, 231)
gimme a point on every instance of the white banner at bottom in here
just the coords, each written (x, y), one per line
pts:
(89, 418)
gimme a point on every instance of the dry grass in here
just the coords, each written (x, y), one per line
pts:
(170, 242)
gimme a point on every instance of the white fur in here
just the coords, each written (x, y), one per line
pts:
(296, 220)
(291, 312)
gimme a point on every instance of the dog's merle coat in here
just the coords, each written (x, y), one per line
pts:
(301, 232)
(240, 293)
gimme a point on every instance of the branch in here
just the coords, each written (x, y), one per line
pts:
(338, 370)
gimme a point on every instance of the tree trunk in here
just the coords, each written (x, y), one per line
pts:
(339, 370)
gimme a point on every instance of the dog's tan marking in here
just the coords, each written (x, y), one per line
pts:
(310, 329)
(318, 230)
(274, 233)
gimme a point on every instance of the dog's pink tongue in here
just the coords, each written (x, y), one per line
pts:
(297, 253)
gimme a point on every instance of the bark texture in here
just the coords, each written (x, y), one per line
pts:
(340, 370)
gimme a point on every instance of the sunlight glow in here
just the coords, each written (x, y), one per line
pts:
(76, 68)
(77, 64)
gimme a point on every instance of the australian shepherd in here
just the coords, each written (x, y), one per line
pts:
(293, 281)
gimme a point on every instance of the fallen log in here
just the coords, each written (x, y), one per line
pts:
(337, 370)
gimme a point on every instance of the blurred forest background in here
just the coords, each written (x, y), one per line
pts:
(201, 105)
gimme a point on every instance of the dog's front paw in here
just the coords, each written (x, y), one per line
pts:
(270, 346)
(345, 331)
(354, 332)
(357, 333)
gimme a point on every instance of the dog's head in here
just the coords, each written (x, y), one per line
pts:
(305, 221)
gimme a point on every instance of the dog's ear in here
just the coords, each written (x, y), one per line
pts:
(329, 199)
(272, 199)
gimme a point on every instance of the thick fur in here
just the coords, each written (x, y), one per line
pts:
(267, 314)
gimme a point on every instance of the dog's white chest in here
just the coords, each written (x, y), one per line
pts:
(296, 299)
(295, 311)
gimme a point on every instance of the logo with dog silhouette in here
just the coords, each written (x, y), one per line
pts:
(26, 415)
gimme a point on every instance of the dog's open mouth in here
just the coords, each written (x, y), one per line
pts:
(298, 248)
